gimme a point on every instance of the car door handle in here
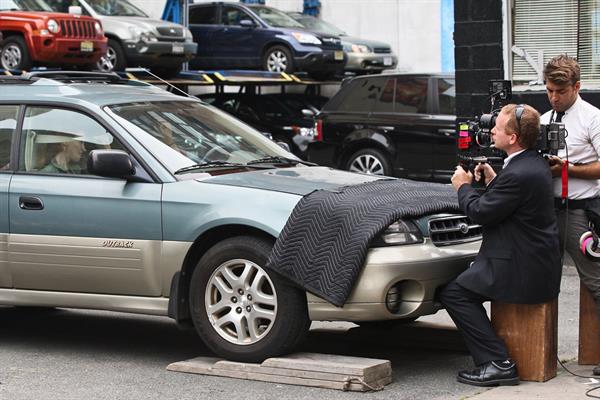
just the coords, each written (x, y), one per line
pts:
(30, 203)
(447, 132)
(387, 128)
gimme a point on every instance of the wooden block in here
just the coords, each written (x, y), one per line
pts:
(589, 328)
(530, 332)
(307, 369)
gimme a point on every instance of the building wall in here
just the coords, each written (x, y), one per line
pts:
(412, 27)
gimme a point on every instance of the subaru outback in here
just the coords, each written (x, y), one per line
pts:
(148, 202)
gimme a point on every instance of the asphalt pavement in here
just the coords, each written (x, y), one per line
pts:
(75, 354)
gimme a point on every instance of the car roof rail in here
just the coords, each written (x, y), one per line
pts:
(74, 76)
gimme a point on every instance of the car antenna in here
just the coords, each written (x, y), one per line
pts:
(162, 80)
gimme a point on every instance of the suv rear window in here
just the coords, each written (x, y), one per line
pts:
(446, 96)
(411, 95)
(358, 95)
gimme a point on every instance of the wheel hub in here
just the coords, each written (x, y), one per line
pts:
(367, 164)
(240, 302)
(277, 62)
(11, 57)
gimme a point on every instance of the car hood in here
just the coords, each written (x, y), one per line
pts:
(140, 22)
(350, 40)
(298, 180)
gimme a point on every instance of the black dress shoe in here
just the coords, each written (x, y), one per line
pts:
(596, 370)
(492, 373)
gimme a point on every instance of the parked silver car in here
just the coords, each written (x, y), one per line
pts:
(364, 56)
(153, 203)
(134, 39)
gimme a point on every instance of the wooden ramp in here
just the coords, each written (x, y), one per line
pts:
(307, 369)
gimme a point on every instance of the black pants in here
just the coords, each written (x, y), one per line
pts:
(466, 309)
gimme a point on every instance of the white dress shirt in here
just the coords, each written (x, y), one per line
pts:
(582, 122)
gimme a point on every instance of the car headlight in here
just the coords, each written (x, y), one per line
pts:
(98, 28)
(53, 26)
(306, 38)
(359, 48)
(143, 35)
(188, 35)
(399, 233)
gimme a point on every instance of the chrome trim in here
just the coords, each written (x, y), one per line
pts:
(132, 304)
(453, 229)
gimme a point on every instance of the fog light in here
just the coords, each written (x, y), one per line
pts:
(404, 297)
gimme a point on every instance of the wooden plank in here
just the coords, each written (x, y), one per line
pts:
(530, 332)
(589, 328)
(302, 373)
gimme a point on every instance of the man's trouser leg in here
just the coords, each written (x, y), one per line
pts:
(466, 309)
(589, 270)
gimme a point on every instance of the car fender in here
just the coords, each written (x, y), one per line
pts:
(21, 28)
(366, 137)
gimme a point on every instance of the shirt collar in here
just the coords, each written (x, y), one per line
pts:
(509, 158)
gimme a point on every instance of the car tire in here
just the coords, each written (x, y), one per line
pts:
(278, 59)
(369, 161)
(115, 55)
(265, 304)
(14, 54)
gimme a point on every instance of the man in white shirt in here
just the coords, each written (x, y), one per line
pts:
(582, 122)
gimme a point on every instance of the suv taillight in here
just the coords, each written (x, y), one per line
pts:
(319, 130)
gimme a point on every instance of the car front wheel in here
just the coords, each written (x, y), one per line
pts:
(278, 59)
(369, 161)
(114, 59)
(242, 311)
(14, 54)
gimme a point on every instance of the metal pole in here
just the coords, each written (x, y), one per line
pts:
(185, 22)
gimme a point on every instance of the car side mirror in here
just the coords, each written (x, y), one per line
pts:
(247, 23)
(308, 113)
(111, 164)
(284, 146)
(75, 10)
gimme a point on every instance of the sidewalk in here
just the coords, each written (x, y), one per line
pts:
(564, 386)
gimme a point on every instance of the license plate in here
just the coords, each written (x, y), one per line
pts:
(387, 61)
(87, 47)
(177, 48)
(338, 55)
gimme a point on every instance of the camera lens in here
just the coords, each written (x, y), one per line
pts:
(487, 121)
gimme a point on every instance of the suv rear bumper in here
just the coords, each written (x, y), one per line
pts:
(325, 60)
(159, 54)
(56, 50)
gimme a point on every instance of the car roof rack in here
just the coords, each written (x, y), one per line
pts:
(23, 77)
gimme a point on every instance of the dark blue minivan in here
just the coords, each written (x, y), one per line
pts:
(233, 35)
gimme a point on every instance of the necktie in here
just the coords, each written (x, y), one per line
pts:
(559, 116)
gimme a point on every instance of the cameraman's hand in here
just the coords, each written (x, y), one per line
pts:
(484, 171)
(556, 165)
(461, 177)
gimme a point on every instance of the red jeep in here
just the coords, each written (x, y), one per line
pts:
(43, 37)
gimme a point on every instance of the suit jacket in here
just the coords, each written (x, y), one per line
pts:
(519, 260)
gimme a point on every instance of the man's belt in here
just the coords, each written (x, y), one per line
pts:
(579, 204)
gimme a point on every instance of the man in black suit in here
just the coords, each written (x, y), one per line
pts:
(519, 259)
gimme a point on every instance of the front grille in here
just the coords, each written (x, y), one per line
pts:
(168, 31)
(454, 229)
(331, 43)
(382, 50)
(73, 28)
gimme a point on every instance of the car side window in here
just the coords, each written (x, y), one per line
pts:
(203, 15)
(8, 124)
(55, 140)
(233, 16)
(385, 103)
(363, 94)
(411, 95)
(446, 96)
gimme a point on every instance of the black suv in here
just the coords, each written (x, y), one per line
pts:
(398, 124)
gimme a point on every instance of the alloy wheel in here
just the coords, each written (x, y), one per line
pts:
(11, 56)
(241, 302)
(277, 61)
(367, 164)
(107, 62)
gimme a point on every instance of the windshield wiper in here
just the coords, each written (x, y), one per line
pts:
(217, 163)
(279, 160)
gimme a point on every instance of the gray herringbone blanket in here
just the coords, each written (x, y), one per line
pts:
(324, 243)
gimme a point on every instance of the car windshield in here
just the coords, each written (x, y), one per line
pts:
(29, 5)
(317, 25)
(120, 8)
(276, 18)
(185, 133)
